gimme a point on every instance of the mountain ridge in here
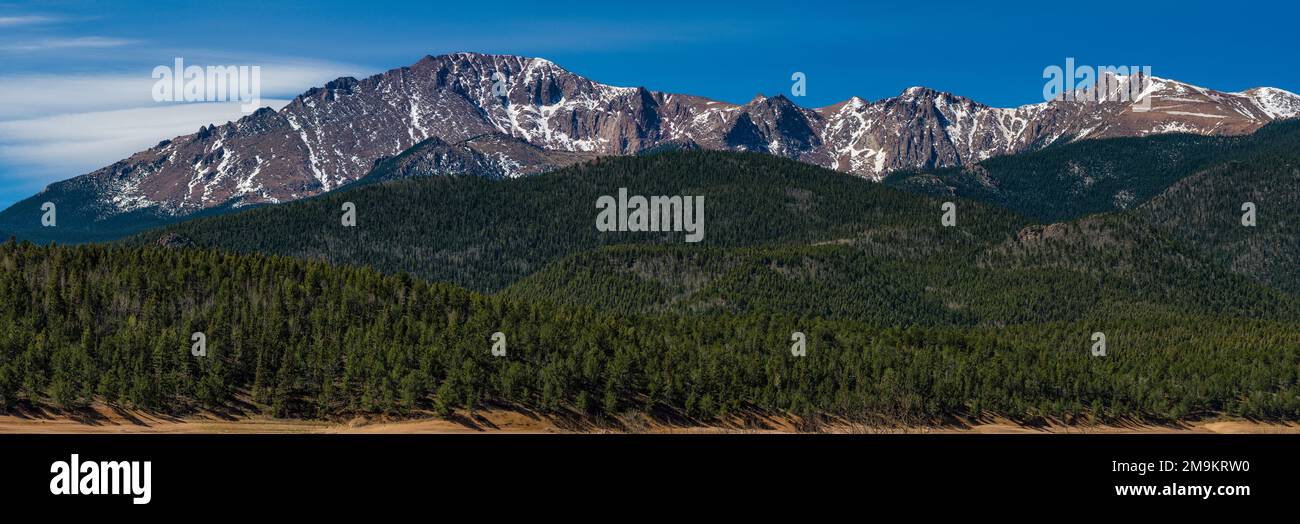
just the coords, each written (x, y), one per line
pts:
(333, 135)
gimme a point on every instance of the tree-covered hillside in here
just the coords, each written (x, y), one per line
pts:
(1095, 176)
(485, 234)
(296, 338)
(906, 319)
(784, 237)
(1062, 272)
(1207, 210)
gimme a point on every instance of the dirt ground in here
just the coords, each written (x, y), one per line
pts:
(101, 418)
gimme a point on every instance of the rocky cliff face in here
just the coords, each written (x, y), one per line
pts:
(493, 155)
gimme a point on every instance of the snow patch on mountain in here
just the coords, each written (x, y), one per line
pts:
(332, 135)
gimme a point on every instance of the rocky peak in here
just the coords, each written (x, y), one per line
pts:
(334, 134)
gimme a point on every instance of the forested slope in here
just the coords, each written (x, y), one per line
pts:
(907, 320)
(1095, 176)
(305, 339)
(485, 234)
(1206, 210)
(784, 237)
(1059, 272)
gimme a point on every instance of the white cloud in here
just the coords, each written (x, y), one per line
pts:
(67, 145)
(81, 42)
(34, 95)
(55, 94)
(54, 127)
(14, 21)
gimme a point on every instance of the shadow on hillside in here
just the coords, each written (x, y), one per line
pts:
(496, 416)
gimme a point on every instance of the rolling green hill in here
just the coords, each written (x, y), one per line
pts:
(906, 320)
(485, 234)
(1094, 176)
(1104, 265)
(786, 238)
(294, 338)
(1205, 210)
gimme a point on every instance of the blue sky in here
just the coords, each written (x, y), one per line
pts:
(76, 74)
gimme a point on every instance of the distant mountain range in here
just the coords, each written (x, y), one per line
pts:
(549, 117)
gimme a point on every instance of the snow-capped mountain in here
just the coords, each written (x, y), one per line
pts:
(531, 109)
(1274, 102)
